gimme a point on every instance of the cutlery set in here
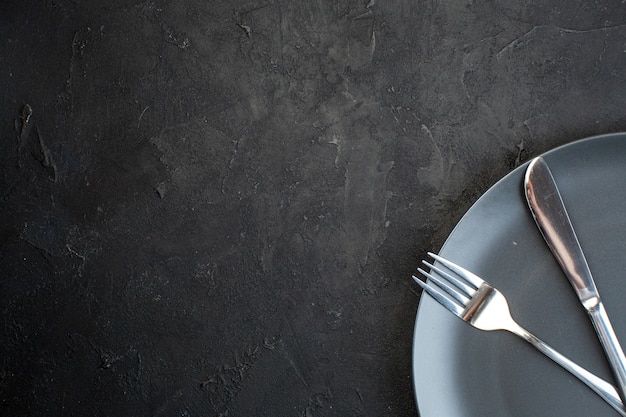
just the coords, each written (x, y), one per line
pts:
(476, 302)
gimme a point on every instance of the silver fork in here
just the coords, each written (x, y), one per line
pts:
(476, 302)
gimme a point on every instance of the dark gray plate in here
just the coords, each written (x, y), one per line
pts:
(460, 371)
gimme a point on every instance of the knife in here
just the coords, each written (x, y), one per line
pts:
(548, 210)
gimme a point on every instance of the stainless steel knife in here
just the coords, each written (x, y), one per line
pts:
(548, 210)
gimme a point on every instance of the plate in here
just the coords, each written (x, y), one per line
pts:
(460, 371)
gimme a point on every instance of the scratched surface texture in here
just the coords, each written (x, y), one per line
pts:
(213, 208)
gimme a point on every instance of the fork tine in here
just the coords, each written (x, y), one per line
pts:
(458, 294)
(463, 286)
(440, 296)
(464, 273)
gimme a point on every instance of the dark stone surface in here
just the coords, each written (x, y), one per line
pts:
(213, 208)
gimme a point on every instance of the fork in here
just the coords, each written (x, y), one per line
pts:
(476, 302)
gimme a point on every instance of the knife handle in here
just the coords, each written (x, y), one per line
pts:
(611, 345)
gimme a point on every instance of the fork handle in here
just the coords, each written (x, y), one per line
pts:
(601, 387)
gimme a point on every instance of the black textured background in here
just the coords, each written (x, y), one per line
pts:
(213, 208)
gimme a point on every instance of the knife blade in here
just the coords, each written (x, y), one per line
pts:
(550, 214)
